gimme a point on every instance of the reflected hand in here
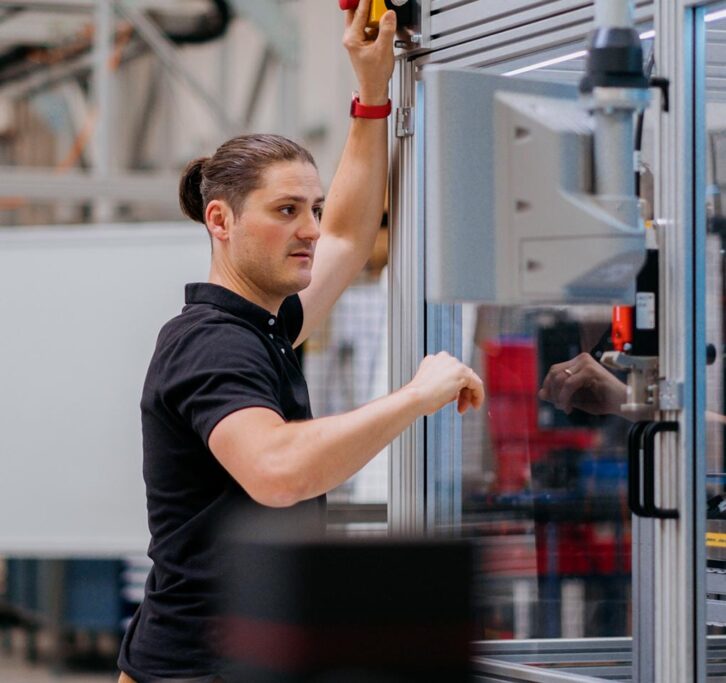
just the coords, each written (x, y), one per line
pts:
(584, 384)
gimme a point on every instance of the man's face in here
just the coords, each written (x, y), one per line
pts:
(273, 241)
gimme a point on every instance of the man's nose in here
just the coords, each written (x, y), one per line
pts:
(309, 228)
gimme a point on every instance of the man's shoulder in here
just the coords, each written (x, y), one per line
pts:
(203, 328)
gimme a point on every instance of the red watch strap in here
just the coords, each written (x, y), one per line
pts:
(369, 111)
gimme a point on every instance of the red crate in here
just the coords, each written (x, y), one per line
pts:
(514, 465)
(510, 366)
(512, 417)
(584, 549)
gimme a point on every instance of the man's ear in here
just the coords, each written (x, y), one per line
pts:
(219, 218)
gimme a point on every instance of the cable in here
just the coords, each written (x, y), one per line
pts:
(649, 66)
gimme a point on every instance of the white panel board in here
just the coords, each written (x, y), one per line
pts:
(80, 309)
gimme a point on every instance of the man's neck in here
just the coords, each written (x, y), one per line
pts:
(245, 289)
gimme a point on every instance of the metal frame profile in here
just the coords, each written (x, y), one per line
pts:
(407, 461)
(679, 553)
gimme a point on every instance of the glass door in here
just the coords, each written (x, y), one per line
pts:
(541, 486)
(571, 584)
(710, 211)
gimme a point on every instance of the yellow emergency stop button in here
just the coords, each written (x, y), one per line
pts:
(378, 9)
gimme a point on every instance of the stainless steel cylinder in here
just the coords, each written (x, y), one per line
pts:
(614, 164)
(614, 14)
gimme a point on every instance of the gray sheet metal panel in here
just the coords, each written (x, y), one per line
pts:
(459, 176)
(454, 22)
(521, 41)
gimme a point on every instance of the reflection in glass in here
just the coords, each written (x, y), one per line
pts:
(545, 484)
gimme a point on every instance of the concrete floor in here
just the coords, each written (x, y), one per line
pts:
(15, 667)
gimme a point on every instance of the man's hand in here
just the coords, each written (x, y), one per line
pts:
(372, 60)
(441, 379)
(584, 384)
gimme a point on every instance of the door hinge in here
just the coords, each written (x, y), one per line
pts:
(404, 122)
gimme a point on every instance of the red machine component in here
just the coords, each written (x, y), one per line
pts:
(622, 327)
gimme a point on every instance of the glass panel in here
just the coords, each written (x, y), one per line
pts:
(544, 475)
(712, 78)
(346, 365)
(548, 486)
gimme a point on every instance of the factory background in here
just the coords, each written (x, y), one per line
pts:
(103, 102)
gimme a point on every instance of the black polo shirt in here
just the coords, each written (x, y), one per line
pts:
(221, 354)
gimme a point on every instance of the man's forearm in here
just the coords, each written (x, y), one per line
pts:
(354, 206)
(318, 455)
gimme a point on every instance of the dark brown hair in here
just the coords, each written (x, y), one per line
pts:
(234, 171)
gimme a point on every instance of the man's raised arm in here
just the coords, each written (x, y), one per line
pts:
(354, 206)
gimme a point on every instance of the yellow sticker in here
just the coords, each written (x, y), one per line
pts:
(716, 540)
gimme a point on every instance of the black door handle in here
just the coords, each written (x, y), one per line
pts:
(649, 434)
(635, 439)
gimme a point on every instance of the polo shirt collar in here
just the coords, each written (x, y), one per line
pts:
(221, 297)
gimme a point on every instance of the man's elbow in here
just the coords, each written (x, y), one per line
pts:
(277, 486)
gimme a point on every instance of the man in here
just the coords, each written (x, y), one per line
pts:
(225, 412)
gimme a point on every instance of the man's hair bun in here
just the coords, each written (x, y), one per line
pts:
(190, 190)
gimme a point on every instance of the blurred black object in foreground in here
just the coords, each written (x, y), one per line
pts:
(346, 611)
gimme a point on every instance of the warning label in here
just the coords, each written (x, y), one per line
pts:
(645, 311)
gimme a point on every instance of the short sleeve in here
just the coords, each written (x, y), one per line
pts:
(291, 317)
(216, 369)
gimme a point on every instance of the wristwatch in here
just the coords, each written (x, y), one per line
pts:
(368, 111)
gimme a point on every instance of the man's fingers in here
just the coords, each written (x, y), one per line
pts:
(550, 384)
(553, 382)
(360, 18)
(463, 401)
(387, 28)
(475, 390)
(568, 390)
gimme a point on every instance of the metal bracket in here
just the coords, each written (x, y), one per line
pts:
(404, 122)
(670, 395)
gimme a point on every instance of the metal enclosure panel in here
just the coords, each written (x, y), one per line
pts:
(680, 652)
(455, 22)
(81, 309)
(458, 115)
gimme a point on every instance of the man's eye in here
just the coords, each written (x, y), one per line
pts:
(287, 210)
(318, 212)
